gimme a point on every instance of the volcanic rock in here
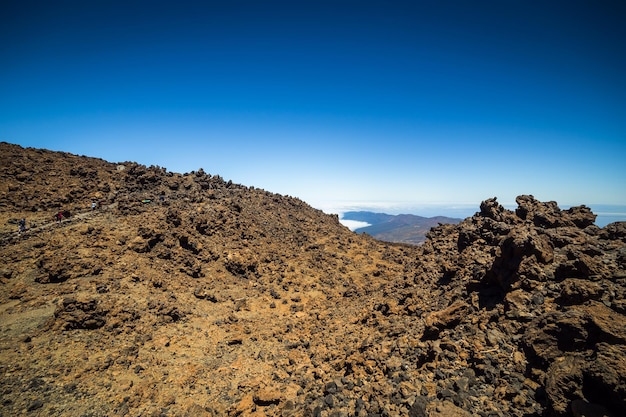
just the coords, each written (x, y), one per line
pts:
(185, 294)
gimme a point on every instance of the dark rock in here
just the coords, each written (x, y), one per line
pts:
(490, 208)
(563, 383)
(579, 291)
(582, 408)
(462, 384)
(449, 317)
(614, 231)
(543, 215)
(605, 377)
(74, 314)
(330, 388)
(35, 405)
(581, 216)
(418, 409)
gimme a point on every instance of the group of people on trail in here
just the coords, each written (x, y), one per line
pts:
(58, 217)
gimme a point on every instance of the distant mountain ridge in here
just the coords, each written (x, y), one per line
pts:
(400, 228)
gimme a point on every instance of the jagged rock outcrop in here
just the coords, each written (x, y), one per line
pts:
(185, 294)
(547, 289)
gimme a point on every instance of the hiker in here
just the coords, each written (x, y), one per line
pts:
(22, 225)
(59, 216)
(93, 205)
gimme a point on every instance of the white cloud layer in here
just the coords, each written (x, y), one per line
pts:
(353, 224)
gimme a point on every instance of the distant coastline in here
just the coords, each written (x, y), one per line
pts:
(606, 213)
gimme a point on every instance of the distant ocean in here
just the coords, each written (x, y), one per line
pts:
(605, 213)
(608, 214)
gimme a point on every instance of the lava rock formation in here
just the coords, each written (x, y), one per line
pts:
(188, 295)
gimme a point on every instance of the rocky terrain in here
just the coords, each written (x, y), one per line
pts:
(398, 228)
(188, 295)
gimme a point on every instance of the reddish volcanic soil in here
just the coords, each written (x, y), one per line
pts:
(187, 295)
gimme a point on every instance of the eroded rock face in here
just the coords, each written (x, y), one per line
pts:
(548, 287)
(191, 295)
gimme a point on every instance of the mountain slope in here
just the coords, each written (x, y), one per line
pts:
(221, 299)
(401, 228)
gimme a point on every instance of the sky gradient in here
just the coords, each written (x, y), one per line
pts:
(334, 102)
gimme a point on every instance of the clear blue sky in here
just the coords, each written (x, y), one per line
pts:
(331, 101)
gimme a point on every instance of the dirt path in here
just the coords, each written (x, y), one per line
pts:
(13, 237)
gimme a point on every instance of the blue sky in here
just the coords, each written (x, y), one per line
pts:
(334, 102)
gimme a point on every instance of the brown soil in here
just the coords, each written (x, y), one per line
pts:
(186, 295)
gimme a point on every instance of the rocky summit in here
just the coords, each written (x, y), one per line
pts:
(165, 294)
